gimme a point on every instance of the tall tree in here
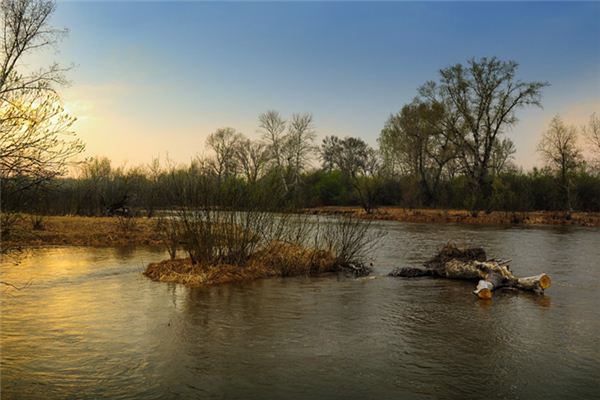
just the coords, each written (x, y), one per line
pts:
(558, 146)
(36, 141)
(480, 99)
(415, 139)
(591, 131)
(252, 158)
(36, 137)
(299, 145)
(25, 28)
(224, 142)
(358, 162)
(272, 126)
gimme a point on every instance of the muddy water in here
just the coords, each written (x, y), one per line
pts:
(89, 325)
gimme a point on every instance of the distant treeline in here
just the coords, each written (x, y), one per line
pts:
(104, 190)
(445, 149)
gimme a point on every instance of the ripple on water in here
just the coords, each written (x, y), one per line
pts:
(90, 326)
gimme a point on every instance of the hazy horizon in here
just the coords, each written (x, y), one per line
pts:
(158, 78)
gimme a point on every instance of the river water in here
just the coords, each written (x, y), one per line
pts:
(90, 325)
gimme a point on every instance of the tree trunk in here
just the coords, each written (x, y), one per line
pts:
(471, 264)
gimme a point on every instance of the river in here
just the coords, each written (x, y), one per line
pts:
(90, 325)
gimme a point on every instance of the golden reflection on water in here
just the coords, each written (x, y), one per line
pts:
(90, 325)
(63, 297)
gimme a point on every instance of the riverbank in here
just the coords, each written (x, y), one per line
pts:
(114, 231)
(464, 216)
(278, 259)
(281, 260)
(82, 231)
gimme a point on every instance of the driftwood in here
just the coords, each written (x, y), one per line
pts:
(453, 262)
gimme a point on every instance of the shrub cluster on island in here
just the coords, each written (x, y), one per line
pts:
(229, 246)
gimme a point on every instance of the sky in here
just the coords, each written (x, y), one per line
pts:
(156, 78)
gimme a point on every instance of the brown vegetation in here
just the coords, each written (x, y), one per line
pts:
(467, 217)
(279, 260)
(82, 231)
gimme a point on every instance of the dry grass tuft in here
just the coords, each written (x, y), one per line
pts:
(294, 260)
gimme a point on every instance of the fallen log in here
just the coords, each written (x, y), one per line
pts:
(453, 262)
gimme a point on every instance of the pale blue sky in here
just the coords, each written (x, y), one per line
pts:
(160, 76)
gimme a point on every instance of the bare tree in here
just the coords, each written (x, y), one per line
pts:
(224, 143)
(480, 100)
(290, 150)
(299, 145)
(272, 127)
(252, 158)
(558, 146)
(36, 141)
(36, 137)
(591, 131)
(25, 29)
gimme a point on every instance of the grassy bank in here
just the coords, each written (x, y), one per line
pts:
(81, 231)
(466, 217)
(277, 261)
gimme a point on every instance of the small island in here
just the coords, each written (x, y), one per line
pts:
(276, 261)
(225, 245)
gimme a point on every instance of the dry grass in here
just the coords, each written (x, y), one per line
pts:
(279, 260)
(466, 217)
(84, 231)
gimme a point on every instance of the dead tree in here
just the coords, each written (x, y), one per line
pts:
(472, 264)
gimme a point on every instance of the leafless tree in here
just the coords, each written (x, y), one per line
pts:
(25, 28)
(558, 146)
(299, 145)
(224, 143)
(36, 140)
(290, 144)
(252, 158)
(36, 137)
(272, 127)
(591, 131)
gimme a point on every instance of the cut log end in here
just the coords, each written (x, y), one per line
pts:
(495, 280)
(545, 281)
(484, 290)
(484, 294)
(535, 283)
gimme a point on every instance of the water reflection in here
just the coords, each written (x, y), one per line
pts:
(91, 326)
